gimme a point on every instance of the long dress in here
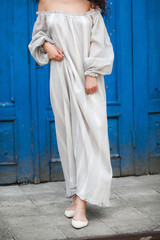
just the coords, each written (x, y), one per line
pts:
(80, 118)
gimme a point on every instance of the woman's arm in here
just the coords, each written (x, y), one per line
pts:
(101, 54)
(42, 46)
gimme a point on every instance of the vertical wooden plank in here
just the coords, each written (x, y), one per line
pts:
(43, 77)
(139, 19)
(11, 56)
(34, 97)
(22, 91)
(125, 88)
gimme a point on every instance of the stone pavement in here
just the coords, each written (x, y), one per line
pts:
(36, 211)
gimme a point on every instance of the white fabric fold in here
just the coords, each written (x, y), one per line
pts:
(101, 54)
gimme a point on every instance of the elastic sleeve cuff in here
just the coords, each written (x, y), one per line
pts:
(91, 74)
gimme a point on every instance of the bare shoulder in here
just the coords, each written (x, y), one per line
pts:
(42, 5)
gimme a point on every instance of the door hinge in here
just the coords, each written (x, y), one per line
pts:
(134, 138)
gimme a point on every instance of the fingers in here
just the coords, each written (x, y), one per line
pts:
(59, 57)
(55, 53)
(60, 54)
(91, 84)
(91, 90)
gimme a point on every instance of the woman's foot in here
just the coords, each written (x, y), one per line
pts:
(79, 220)
(69, 212)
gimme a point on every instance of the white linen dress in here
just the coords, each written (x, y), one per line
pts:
(80, 118)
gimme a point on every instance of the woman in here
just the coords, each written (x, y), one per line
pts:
(72, 37)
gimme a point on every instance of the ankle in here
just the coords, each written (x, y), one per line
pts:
(80, 208)
(81, 203)
(78, 199)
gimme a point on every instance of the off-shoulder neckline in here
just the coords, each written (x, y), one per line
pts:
(68, 13)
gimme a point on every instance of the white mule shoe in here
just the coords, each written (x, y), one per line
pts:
(79, 224)
(69, 213)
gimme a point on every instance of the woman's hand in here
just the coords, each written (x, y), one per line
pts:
(53, 52)
(91, 84)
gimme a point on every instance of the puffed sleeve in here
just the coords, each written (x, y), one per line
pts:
(39, 36)
(101, 54)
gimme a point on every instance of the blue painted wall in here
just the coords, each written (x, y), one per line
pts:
(28, 147)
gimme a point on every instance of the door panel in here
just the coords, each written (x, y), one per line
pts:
(153, 53)
(15, 131)
(146, 62)
(119, 91)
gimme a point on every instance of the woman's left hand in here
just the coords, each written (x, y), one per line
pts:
(91, 84)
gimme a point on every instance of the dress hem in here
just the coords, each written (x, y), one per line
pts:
(101, 204)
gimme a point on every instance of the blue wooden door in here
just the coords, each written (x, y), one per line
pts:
(134, 87)
(28, 147)
(120, 91)
(129, 130)
(119, 102)
(15, 106)
(146, 84)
